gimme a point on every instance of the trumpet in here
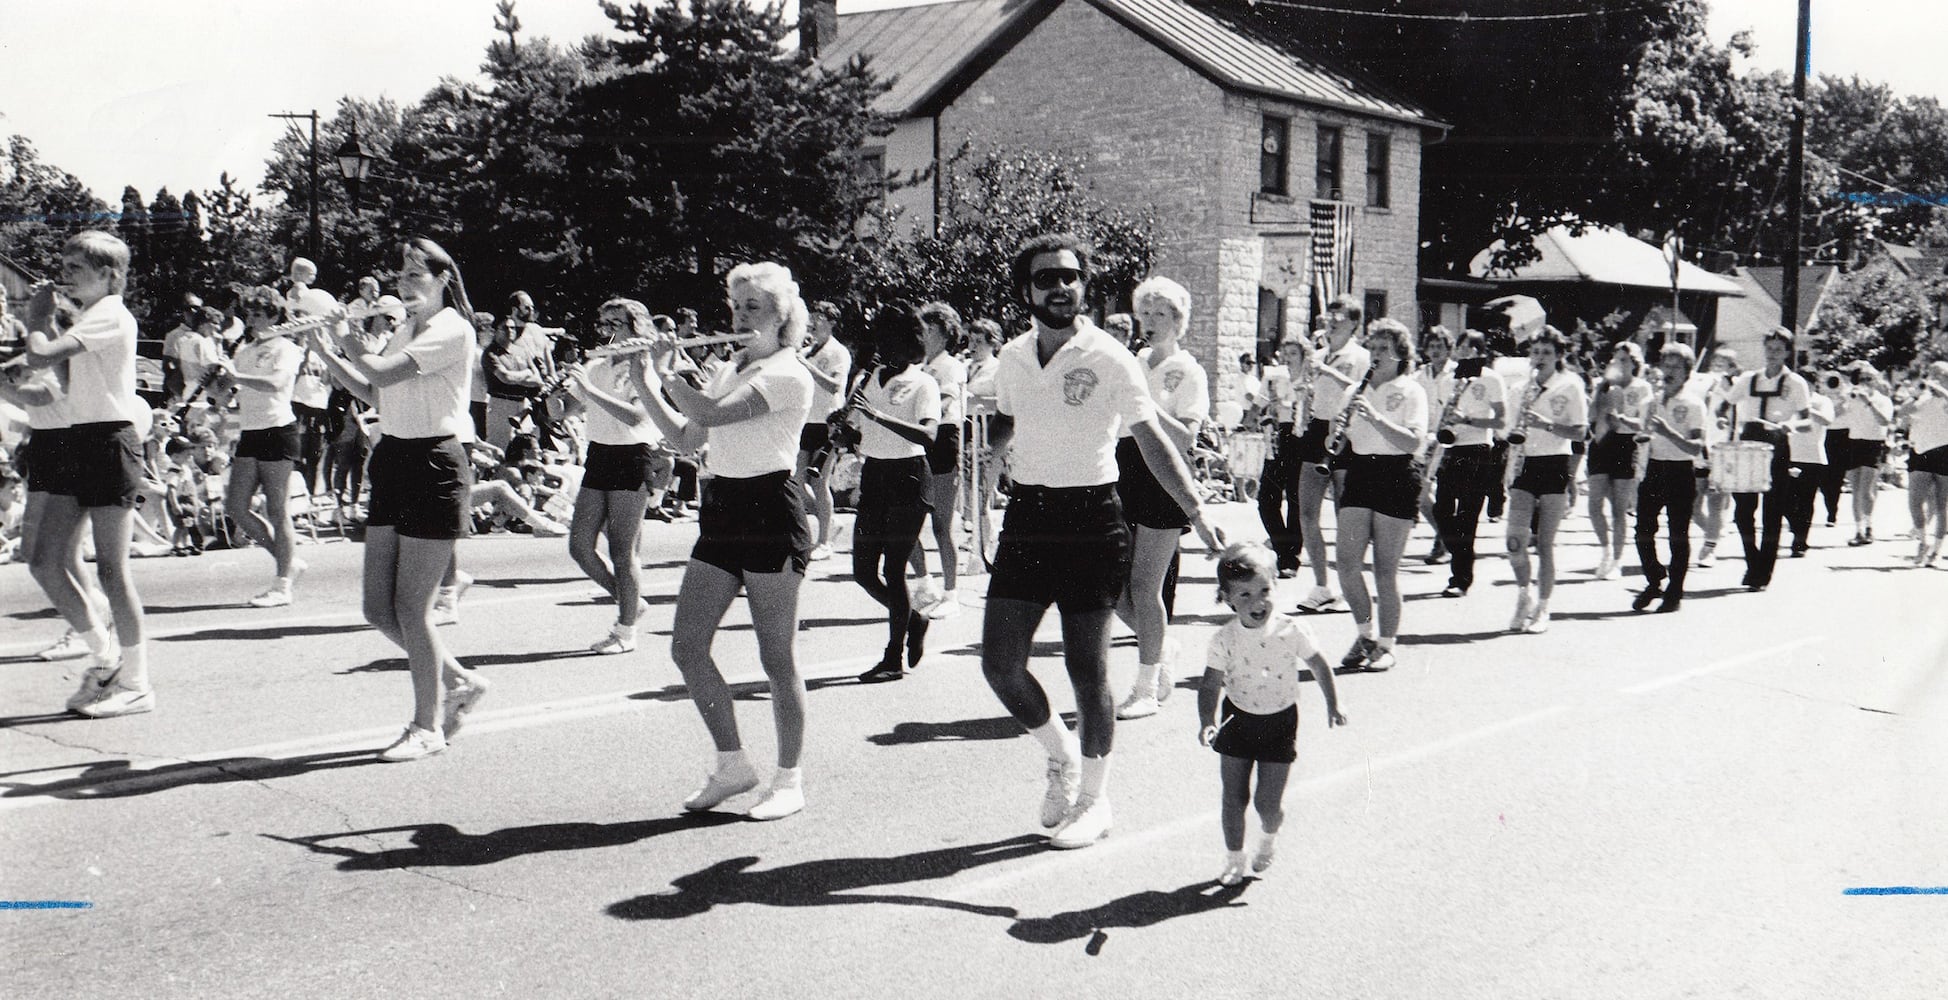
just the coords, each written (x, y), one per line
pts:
(1336, 441)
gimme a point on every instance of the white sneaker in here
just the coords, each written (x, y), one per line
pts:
(68, 647)
(1319, 601)
(1140, 704)
(1538, 623)
(1707, 555)
(1605, 569)
(459, 701)
(821, 552)
(94, 684)
(1267, 851)
(720, 786)
(1524, 610)
(1088, 821)
(923, 597)
(547, 528)
(1164, 680)
(445, 611)
(946, 604)
(116, 700)
(1233, 873)
(1060, 798)
(276, 597)
(785, 797)
(613, 643)
(413, 744)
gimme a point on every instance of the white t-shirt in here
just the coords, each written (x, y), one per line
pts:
(911, 396)
(612, 377)
(1276, 393)
(1261, 665)
(1612, 401)
(1808, 447)
(276, 359)
(980, 378)
(51, 415)
(950, 374)
(1752, 398)
(313, 385)
(433, 403)
(1401, 400)
(1478, 403)
(1858, 415)
(1562, 401)
(1928, 424)
(1328, 396)
(1438, 386)
(765, 444)
(101, 379)
(1178, 386)
(835, 361)
(1685, 412)
(1069, 412)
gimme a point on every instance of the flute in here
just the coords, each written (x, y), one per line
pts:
(642, 345)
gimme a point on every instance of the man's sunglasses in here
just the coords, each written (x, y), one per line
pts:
(1051, 278)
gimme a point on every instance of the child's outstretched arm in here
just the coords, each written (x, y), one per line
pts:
(1208, 691)
(1322, 672)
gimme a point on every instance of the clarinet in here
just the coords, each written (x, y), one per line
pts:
(839, 432)
(1336, 441)
(1444, 431)
(1520, 434)
(548, 388)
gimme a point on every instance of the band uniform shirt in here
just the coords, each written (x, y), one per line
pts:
(1562, 401)
(1069, 413)
(767, 443)
(835, 362)
(950, 374)
(1478, 403)
(1328, 396)
(1755, 397)
(611, 375)
(1928, 424)
(276, 359)
(101, 379)
(1402, 400)
(1177, 386)
(1261, 665)
(433, 403)
(1685, 412)
(911, 396)
(1858, 415)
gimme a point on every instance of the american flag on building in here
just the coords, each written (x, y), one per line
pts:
(1332, 249)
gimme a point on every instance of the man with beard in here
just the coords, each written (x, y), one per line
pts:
(1064, 391)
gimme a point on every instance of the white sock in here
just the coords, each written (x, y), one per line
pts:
(1541, 607)
(1095, 776)
(135, 667)
(1367, 629)
(97, 641)
(1146, 676)
(1056, 738)
(621, 631)
(448, 597)
(1385, 642)
(732, 762)
(788, 777)
(1234, 859)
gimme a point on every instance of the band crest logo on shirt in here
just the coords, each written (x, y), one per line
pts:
(1558, 406)
(1680, 413)
(1171, 380)
(1394, 399)
(1077, 385)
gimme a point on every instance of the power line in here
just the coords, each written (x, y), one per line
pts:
(1461, 18)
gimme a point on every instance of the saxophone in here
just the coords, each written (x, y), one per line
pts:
(1520, 433)
(1336, 440)
(1444, 428)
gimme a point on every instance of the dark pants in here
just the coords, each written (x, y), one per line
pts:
(314, 439)
(1761, 542)
(1498, 490)
(1833, 477)
(1467, 475)
(1802, 488)
(1670, 488)
(1278, 499)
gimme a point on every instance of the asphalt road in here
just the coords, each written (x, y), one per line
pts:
(1627, 806)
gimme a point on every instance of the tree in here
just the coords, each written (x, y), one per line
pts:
(239, 250)
(41, 205)
(1876, 314)
(995, 199)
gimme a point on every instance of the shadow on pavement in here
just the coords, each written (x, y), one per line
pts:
(440, 845)
(471, 660)
(1449, 638)
(908, 733)
(1140, 909)
(115, 779)
(268, 632)
(183, 609)
(827, 882)
(510, 582)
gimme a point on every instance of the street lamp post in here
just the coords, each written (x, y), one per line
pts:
(354, 164)
(312, 116)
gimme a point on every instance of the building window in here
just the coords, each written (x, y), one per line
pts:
(1376, 306)
(1274, 142)
(871, 164)
(1379, 161)
(1327, 182)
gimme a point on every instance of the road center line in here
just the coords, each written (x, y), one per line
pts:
(1726, 664)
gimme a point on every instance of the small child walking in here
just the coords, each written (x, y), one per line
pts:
(1253, 666)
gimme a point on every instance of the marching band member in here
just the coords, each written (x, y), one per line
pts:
(1554, 415)
(751, 527)
(898, 411)
(1614, 428)
(829, 364)
(1763, 404)
(1715, 386)
(1867, 413)
(1437, 379)
(1676, 429)
(622, 443)
(1384, 428)
(1927, 468)
(942, 327)
(1806, 443)
(1469, 471)
(1278, 483)
(420, 480)
(1333, 372)
(265, 371)
(1182, 396)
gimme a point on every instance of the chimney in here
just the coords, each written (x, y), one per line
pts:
(818, 25)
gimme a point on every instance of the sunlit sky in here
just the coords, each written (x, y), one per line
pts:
(173, 93)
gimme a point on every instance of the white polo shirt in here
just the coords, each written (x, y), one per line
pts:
(835, 361)
(1562, 401)
(1069, 412)
(911, 396)
(1478, 403)
(101, 379)
(1808, 447)
(950, 374)
(433, 403)
(1928, 424)
(1401, 400)
(1685, 412)
(51, 415)
(1178, 386)
(765, 444)
(1859, 413)
(276, 359)
(1626, 400)
(612, 377)
(1328, 396)
(1755, 397)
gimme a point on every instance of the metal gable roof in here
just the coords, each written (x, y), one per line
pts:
(922, 49)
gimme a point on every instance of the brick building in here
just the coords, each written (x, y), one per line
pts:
(1229, 136)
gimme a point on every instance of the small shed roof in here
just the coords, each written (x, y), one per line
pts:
(1602, 255)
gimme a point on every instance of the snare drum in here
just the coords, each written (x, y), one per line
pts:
(1244, 452)
(1742, 467)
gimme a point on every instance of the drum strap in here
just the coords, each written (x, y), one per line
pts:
(1778, 389)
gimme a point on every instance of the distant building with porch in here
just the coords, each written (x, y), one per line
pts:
(17, 281)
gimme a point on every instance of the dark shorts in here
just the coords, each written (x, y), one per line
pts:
(103, 467)
(421, 487)
(1543, 475)
(1269, 739)
(1615, 455)
(813, 437)
(754, 525)
(1383, 484)
(1312, 444)
(1069, 547)
(1865, 454)
(1933, 461)
(272, 444)
(1144, 500)
(892, 500)
(617, 467)
(48, 460)
(943, 455)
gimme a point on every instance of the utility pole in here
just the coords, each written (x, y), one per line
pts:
(1796, 174)
(312, 243)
